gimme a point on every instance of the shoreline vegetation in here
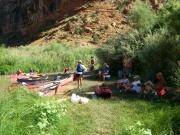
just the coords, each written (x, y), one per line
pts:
(154, 46)
(51, 58)
(23, 112)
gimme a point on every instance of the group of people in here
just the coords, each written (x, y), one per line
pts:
(31, 72)
(104, 72)
(80, 68)
(153, 88)
(126, 83)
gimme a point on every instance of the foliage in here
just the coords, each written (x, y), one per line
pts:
(154, 46)
(137, 129)
(162, 50)
(175, 120)
(142, 16)
(175, 77)
(121, 3)
(79, 30)
(22, 112)
(47, 115)
(50, 58)
(169, 16)
(129, 43)
(96, 37)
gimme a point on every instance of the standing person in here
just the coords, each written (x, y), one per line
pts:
(80, 68)
(92, 63)
(127, 66)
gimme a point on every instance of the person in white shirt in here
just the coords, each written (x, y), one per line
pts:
(136, 85)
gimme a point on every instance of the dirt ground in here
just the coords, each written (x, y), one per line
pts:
(93, 25)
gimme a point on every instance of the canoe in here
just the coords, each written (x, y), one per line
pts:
(49, 87)
(15, 77)
(56, 86)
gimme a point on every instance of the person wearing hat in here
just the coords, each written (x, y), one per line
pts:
(80, 68)
(104, 72)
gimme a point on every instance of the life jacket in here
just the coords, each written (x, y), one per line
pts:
(79, 68)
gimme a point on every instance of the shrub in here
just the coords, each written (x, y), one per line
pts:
(175, 120)
(137, 129)
(96, 38)
(129, 43)
(142, 16)
(121, 3)
(25, 113)
(161, 53)
(47, 115)
(79, 30)
(50, 58)
(169, 16)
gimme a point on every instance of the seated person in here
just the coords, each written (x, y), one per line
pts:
(148, 87)
(104, 72)
(66, 70)
(103, 91)
(19, 72)
(136, 84)
(124, 83)
(31, 71)
(160, 84)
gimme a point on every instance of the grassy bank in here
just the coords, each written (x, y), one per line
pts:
(24, 113)
(50, 58)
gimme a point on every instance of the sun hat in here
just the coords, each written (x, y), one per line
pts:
(136, 77)
(80, 61)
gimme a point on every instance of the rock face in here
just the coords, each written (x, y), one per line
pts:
(24, 18)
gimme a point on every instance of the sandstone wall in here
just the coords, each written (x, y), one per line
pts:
(25, 17)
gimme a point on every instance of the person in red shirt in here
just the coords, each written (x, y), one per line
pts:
(160, 84)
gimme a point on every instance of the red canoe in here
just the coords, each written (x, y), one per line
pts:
(47, 87)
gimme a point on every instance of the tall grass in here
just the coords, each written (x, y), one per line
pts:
(50, 58)
(24, 113)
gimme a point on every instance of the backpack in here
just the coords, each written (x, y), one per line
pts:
(79, 68)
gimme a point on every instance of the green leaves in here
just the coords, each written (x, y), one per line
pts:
(142, 16)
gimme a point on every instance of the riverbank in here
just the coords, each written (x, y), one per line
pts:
(50, 58)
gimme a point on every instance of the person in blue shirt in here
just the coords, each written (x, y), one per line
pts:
(104, 71)
(80, 68)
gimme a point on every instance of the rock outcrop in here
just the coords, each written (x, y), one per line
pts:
(24, 18)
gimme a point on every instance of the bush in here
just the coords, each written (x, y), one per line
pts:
(160, 53)
(96, 37)
(169, 16)
(129, 43)
(137, 129)
(51, 58)
(175, 120)
(25, 113)
(142, 16)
